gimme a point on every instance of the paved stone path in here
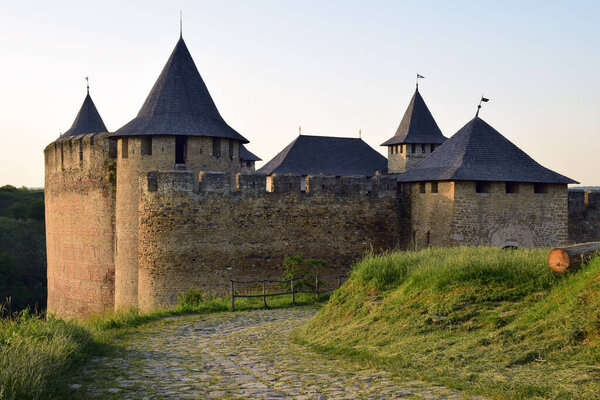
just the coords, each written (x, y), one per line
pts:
(242, 355)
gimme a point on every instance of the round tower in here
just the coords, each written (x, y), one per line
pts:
(177, 128)
(79, 199)
(416, 138)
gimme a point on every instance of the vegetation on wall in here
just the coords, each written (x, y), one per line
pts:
(22, 248)
(491, 321)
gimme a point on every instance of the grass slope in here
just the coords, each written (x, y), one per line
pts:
(494, 322)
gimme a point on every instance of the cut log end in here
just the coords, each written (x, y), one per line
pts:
(568, 258)
(558, 259)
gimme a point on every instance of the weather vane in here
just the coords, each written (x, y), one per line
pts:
(483, 100)
(87, 80)
(180, 23)
(419, 77)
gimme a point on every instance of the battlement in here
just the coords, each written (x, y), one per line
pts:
(223, 182)
(83, 153)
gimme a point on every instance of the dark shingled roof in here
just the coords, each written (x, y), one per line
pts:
(179, 104)
(88, 120)
(477, 152)
(247, 155)
(314, 155)
(417, 125)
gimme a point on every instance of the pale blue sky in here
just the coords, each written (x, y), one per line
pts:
(333, 67)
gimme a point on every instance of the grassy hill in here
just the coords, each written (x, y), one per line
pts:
(494, 322)
(22, 248)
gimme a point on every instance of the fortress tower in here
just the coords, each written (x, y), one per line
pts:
(80, 203)
(177, 128)
(416, 138)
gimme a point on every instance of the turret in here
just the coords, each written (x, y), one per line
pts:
(416, 138)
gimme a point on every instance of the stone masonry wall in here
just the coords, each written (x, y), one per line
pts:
(229, 227)
(432, 214)
(584, 216)
(401, 158)
(523, 219)
(80, 217)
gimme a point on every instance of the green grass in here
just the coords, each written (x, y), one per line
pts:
(38, 355)
(493, 322)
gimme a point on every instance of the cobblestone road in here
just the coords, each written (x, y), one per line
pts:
(242, 355)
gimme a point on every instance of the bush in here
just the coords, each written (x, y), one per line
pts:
(191, 298)
(298, 266)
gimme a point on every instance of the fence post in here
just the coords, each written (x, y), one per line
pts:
(317, 285)
(264, 293)
(293, 293)
(339, 281)
(232, 297)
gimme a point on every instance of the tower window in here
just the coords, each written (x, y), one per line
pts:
(483, 187)
(231, 149)
(432, 148)
(180, 145)
(216, 147)
(124, 147)
(421, 187)
(81, 149)
(540, 188)
(112, 148)
(400, 148)
(249, 164)
(147, 145)
(422, 148)
(512, 187)
(428, 237)
(434, 187)
(413, 148)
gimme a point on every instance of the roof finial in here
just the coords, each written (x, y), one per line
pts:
(87, 79)
(299, 130)
(419, 77)
(484, 100)
(360, 133)
(180, 24)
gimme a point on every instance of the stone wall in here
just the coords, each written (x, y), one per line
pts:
(402, 158)
(229, 227)
(458, 215)
(80, 217)
(584, 216)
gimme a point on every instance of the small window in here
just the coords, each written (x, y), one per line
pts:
(512, 187)
(146, 145)
(422, 148)
(483, 187)
(432, 148)
(400, 148)
(81, 149)
(180, 149)
(124, 147)
(428, 237)
(413, 148)
(540, 188)
(249, 164)
(231, 155)
(421, 187)
(216, 147)
(112, 148)
(303, 184)
(434, 187)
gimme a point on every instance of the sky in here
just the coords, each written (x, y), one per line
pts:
(332, 67)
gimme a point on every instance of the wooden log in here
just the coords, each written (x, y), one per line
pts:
(562, 259)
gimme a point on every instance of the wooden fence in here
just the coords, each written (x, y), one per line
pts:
(293, 290)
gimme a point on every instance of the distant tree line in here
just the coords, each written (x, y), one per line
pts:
(22, 248)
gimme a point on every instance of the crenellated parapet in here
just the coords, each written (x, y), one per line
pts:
(584, 215)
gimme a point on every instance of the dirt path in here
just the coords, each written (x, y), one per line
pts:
(243, 355)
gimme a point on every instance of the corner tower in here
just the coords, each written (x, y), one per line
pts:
(417, 136)
(80, 209)
(177, 128)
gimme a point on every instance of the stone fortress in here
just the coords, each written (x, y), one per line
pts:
(172, 200)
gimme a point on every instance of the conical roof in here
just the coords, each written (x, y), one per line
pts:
(417, 125)
(478, 152)
(247, 155)
(324, 155)
(88, 120)
(179, 104)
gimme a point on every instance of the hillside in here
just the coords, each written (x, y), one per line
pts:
(22, 248)
(494, 322)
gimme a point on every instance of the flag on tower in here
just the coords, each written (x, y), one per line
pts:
(420, 76)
